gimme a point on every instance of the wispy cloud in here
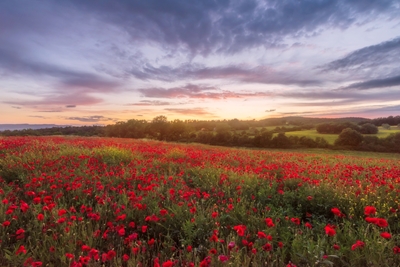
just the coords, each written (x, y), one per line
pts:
(96, 118)
(190, 111)
(197, 92)
(151, 103)
(372, 56)
(372, 84)
(243, 74)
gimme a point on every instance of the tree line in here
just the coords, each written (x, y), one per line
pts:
(236, 133)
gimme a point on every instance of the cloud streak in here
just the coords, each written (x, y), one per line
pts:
(383, 53)
(260, 74)
(190, 111)
(197, 92)
(373, 84)
(95, 118)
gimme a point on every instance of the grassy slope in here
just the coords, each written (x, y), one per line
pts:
(332, 137)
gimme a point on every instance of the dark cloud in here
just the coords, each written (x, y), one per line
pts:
(70, 106)
(91, 119)
(376, 83)
(197, 92)
(368, 57)
(263, 75)
(190, 111)
(16, 107)
(229, 26)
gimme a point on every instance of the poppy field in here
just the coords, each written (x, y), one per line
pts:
(69, 201)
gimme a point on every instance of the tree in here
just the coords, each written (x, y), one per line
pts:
(159, 127)
(349, 137)
(281, 141)
(369, 128)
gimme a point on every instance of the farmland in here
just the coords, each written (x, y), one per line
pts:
(123, 202)
(330, 138)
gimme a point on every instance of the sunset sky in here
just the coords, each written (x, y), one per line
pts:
(99, 62)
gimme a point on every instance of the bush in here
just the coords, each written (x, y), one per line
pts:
(349, 137)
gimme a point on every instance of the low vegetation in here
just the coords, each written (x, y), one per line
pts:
(119, 202)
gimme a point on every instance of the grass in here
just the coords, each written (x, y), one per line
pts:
(330, 138)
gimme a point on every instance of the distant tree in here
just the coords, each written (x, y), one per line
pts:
(349, 137)
(281, 141)
(368, 128)
(159, 127)
(386, 126)
(263, 139)
(305, 141)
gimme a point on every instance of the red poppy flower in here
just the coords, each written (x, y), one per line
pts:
(330, 230)
(386, 235)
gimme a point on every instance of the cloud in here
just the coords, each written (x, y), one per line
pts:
(151, 103)
(260, 74)
(189, 111)
(57, 99)
(96, 118)
(229, 26)
(51, 111)
(197, 92)
(16, 107)
(368, 57)
(35, 116)
(70, 106)
(376, 83)
(339, 97)
(270, 110)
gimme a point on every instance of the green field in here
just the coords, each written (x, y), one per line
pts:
(332, 137)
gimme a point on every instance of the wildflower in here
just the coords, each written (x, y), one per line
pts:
(336, 247)
(125, 257)
(369, 210)
(240, 229)
(295, 221)
(337, 212)
(223, 258)
(358, 244)
(382, 223)
(386, 235)
(40, 217)
(20, 250)
(206, 262)
(267, 247)
(330, 230)
(231, 245)
(168, 263)
(261, 235)
(6, 223)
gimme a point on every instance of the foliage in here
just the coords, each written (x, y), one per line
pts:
(349, 137)
(119, 202)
